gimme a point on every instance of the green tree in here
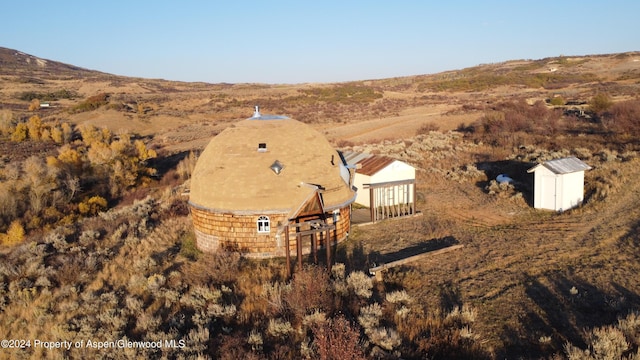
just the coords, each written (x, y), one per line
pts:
(600, 103)
(557, 101)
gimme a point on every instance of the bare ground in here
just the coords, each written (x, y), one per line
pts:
(530, 274)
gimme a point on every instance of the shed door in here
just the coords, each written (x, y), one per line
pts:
(548, 192)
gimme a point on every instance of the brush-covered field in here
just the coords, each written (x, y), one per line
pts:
(98, 257)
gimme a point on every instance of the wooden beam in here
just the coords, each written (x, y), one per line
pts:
(309, 222)
(287, 250)
(388, 183)
(377, 270)
(372, 205)
(415, 200)
(327, 245)
(299, 250)
(314, 248)
(320, 229)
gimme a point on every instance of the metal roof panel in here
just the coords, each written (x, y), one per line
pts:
(564, 165)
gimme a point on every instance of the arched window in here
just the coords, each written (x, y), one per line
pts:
(263, 224)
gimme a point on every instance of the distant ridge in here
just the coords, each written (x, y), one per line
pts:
(18, 63)
(15, 62)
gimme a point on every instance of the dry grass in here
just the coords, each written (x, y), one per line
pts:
(518, 272)
(526, 284)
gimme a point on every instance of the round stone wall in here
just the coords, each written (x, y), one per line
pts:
(217, 231)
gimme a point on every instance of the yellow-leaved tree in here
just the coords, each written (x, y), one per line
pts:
(34, 127)
(14, 235)
(93, 205)
(34, 105)
(20, 133)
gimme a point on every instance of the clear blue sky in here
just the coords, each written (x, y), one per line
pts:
(240, 41)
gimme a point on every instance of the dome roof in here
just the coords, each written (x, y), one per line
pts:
(268, 164)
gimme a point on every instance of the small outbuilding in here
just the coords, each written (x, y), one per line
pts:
(558, 184)
(385, 185)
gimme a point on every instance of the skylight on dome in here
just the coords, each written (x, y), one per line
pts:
(277, 167)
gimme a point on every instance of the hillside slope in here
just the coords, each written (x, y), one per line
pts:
(184, 115)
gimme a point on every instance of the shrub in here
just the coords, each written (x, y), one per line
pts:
(49, 96)
(624, 117)
(6, 121)
(255, 340)
(91, 103)
(600, 103)
(20, 133)
(188, 247)
(34, 127)
(360, 284)
(144, 153)
(386, 338)
(310, 291)
(557, 101)
(274, 293)
(344, 94)
(467, 314)
(338, 271)
(630, 325)
(93, 205)
(338, 339)
(399, 297)
(427, 128)
(56, 135)
(608, 343)
(15, 234)
(185, 166)
(317, 318)
(279, 328)
(370, 316)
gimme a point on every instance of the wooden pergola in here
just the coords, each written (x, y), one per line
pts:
(319, 231)
(310, 220)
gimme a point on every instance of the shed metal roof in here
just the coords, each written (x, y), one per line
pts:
(563, 166)
(367, 164)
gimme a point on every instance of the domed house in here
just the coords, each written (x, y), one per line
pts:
(266, 180)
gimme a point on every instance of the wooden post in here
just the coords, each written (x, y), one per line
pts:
(299, 250)
(372, 205)
(327, 245)
(314, 248)
(415, 200)
(287, 250)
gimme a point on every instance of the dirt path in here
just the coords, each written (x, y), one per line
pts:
(402, 126)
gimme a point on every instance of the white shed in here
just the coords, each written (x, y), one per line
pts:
(558, 184)
(387, 183)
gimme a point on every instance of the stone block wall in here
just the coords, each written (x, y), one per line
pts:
(215, 231)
